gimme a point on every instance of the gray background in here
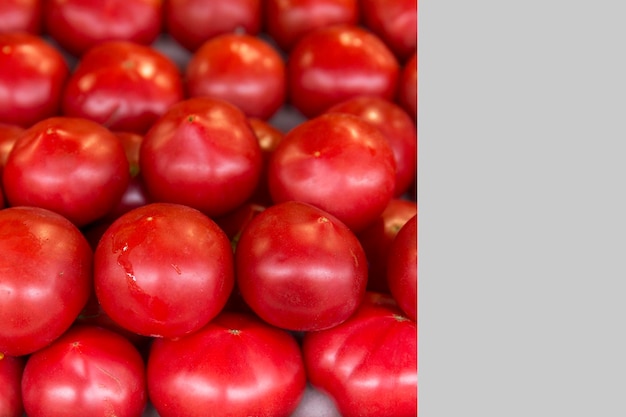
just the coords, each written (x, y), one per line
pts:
(521, 192)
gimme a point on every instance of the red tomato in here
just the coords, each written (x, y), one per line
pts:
(89, 371)
(132, 144)
(77, 25)
(269, 137)
(163, 270)
(8, 136)
(241, 69)
(407, 87)
(337, 162)
(335, 63)
(72, 166)
(45, 277)
(202, 153)
(236, 365)
(368, 364)
(300, 268)
(395, 22)
(192, 22)
(122, 85)
(397, 127)
(32, 75)
(376, 240)
(20, 15)
(287, 21)
(402, 268)
(11, 369)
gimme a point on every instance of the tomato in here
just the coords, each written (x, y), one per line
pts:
(395, 22)
(72, 166)
(376, 240)
(241, 69)
(21, 15)
(201, 153)
(269, 137)
(45, 277)
(32, 75)
(236, 365)
(335, 63)
(299, 268)
(89, 371)
(8, 135)
(402, 268)
(192, 22)
(397, 127)
(77, 25)
(368, 364)
(337, 162)
(122, 85)
(11, 369)
(288, 21)
(163, 270)
(407, 87)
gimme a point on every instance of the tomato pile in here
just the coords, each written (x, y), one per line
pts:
(168, 246)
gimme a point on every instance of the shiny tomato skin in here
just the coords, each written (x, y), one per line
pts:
(402, 268)
(78, 25)
(11, 369)
(89, 371)
(163, 270)
(407, 86)
(288, 21)
(193, 22)
(21, 15)
(46, 276)
(377, 238)
(241, 69)
(337, 162)
(368, 364)
(338, 62)
(299, 268)
(8, 136)
(201, 153)
(122, 85)
(32, 76)
(72, 166)
(397, 127)
(395, 22)
(236, 365)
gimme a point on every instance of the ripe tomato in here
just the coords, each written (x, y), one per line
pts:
(21, 15)
(11, 369)
(368, 364)
(32, 75)
(163, 270)
(337, 162)
(72, 166)
(269, 137)
(77, 25)
(402, 268)
(8, 135)
(397, 127)
(89, 371)
(300, 268)
(201, 153)
(236, 365)
(376, 240)
(395, 22)
(192, 22)
(287, 21)
(335, 63)
(407, 87)
(45, 277)
(241, 69)
(122, 85)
